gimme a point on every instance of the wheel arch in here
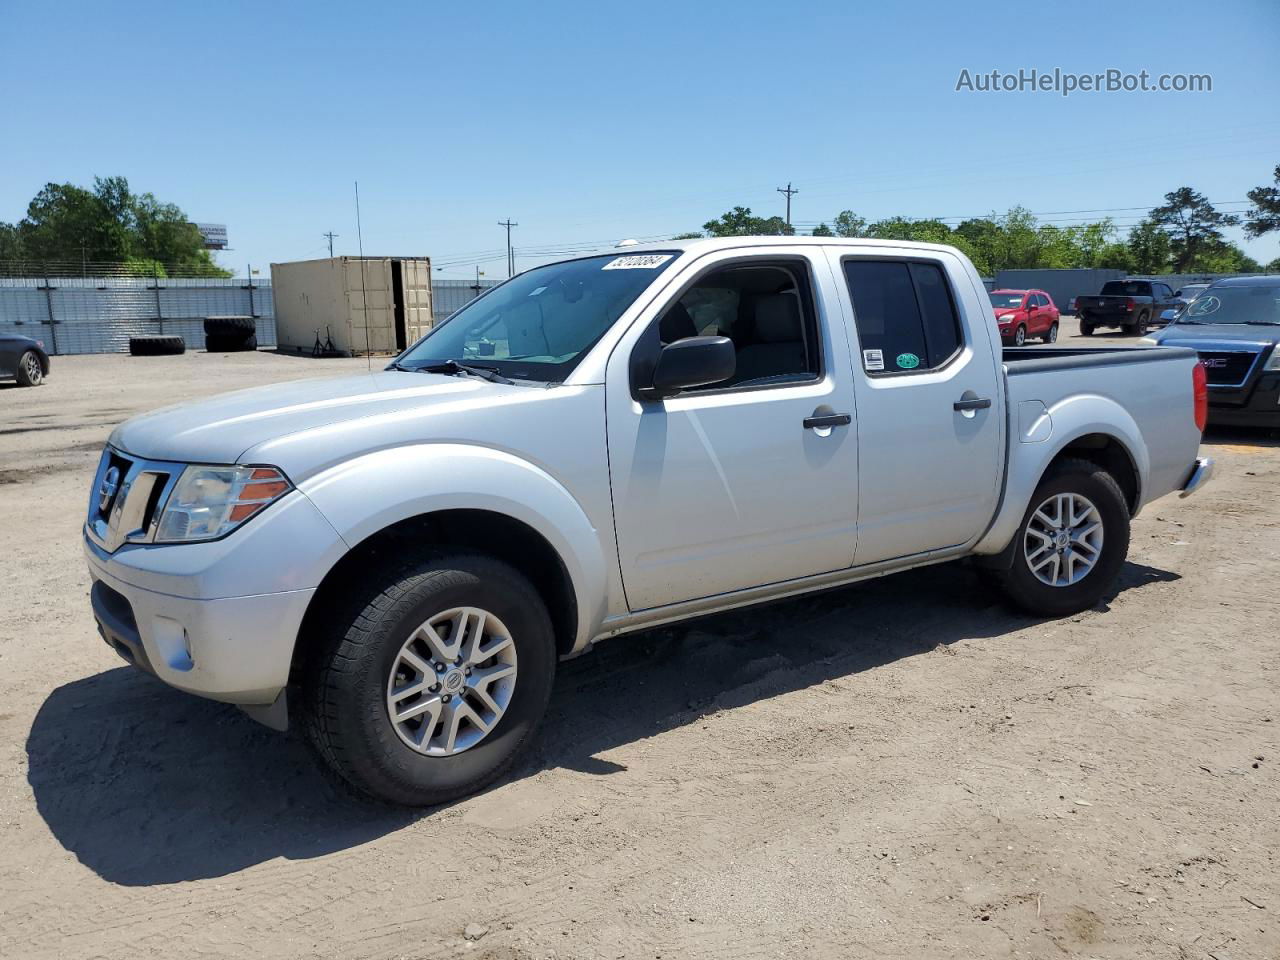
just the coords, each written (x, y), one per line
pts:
(1087, 427)
(482, 531)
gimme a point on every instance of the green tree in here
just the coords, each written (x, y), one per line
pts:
(1264, 215)
(822, 230)
(691, 235)
(1192, 223)
(1223, 257)
(739, 222)
(1150, 249)
(849, 224)
(109, 223)
(905, 228)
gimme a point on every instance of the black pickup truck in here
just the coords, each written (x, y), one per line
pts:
(1130, 304)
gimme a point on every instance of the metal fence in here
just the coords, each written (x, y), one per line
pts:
(98, 314)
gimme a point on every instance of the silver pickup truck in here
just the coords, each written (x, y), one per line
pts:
(397, 560)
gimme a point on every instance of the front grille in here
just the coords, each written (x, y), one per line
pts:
(121, 465)
(128, 494)
(1227, 367)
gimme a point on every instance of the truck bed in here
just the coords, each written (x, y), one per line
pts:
(1026, 360)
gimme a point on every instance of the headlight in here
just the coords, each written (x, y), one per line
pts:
(1274, 362)
(208, 502)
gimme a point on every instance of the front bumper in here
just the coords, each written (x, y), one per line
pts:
(1255, 404)
(235, 649)
(1200, 474)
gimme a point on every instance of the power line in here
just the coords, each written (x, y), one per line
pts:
(330, 235)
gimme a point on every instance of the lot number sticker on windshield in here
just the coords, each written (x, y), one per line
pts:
(873, 359)
(637, 262)
(908, 361)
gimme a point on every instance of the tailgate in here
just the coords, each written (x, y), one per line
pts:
(1102, 304)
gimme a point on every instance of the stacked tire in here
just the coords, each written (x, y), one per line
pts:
(230, 334)
(153, 345)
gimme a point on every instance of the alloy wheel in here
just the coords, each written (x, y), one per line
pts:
(452, 681)
(1063, 539)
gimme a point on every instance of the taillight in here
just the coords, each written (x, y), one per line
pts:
(1200, 392)
(1129, 304)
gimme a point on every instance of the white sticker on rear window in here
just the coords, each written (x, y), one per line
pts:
(873, 359)
(637, 262)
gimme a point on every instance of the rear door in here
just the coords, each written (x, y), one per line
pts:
(735, 485)
(927, 386)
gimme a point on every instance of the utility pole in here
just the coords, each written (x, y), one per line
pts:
(790, 193)
(330, 235)
(511, 260)
(479, 273)
(84, 263)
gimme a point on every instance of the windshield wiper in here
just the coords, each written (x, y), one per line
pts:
(1262, 323)
(454, 367)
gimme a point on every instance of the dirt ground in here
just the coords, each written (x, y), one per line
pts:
(899, 769)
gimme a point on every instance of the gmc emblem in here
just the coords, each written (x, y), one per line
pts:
(1212, 362)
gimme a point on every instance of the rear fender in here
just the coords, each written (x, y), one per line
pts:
(1072, 418)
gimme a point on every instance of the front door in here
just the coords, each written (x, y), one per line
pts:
(930, 428)
(725, 487)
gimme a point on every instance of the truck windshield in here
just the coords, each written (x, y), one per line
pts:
(1247, 304)
(1006, 299)
(1126, 288)
(540, 324)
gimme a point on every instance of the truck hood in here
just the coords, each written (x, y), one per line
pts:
(223, 428)
(1189, 334)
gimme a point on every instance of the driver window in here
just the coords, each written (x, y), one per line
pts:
(767, 311)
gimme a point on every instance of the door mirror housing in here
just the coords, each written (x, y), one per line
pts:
(692, 362)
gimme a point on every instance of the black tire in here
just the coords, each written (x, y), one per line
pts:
(344, 686)
(1020, 336)
(240, 326)
(229, 343)
(1021, 585)
(1052, 335)
(1086, 328)
(1139, 327)
(156, 346)
(30, 371)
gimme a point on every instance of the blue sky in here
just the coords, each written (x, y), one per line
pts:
(590, 122)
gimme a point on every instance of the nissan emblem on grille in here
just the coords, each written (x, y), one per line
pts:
(110, 483)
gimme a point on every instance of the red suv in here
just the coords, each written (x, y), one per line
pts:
(1025, 313)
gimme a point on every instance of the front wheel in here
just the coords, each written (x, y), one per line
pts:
(1020, 336)
(1052, 335)
(30, 370)
(1071, 543)
(433, 680)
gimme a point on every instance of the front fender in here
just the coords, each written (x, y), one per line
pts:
(370, 493)
(1070, 419)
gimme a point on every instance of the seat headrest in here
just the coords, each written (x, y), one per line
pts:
(676, 324)
(778, 318)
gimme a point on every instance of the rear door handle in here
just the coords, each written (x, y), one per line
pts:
(828, 420)
(980, 403)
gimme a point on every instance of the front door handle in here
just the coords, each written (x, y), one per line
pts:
(828, 420)
(978, 403)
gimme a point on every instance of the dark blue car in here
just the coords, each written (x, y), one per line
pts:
(23, 359)
(1234, 325)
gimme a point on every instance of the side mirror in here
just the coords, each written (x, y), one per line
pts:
(693, 362)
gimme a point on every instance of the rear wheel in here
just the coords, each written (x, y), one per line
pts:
(1086, 328)
(30, 371)
(1071, 543)
(1139, 327)
(432, 680)
(1020, 336)
(1052, 335)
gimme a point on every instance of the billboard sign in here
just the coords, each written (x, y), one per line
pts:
(214, 234)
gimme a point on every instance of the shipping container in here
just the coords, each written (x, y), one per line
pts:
(375, 305)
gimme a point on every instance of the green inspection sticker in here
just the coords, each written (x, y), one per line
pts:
(908, 361)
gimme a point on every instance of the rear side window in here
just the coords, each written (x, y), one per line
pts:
(905, 315)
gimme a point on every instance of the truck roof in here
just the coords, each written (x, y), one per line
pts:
(1272, 280)
(703, 244)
